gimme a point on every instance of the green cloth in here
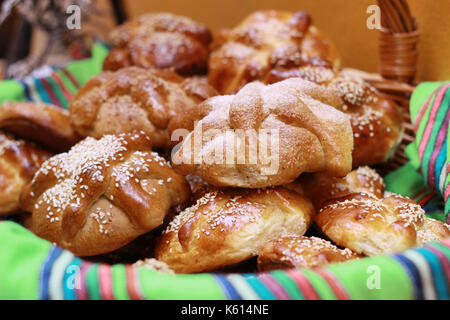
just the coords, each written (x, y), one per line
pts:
(24, 258)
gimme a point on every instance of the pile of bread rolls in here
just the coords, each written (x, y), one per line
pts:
(114, 176)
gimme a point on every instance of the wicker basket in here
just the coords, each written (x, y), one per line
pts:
(398, 40)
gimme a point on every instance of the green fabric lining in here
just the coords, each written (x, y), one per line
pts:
(395, 181)
(83, 70)
(11, 90)
(20, 264)
(190, 286)
(353, 274)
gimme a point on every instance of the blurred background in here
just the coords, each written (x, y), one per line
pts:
(343, 20)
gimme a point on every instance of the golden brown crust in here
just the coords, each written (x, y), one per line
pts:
(371, 226)
(432, 230)
(376, 121)
(102, 194)
(301, 252)
(320, 187)
(160, 40)
(44, 124)
(290, 120)
(230, 226)
(266, 40)
(135, 99)
(19, 160)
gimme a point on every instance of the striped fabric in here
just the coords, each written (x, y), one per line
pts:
(428, 172)
(431, 117)
(56, 88)
(54, 85)
(419, 273)
(33, 268)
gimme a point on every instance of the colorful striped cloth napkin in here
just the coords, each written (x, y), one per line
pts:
(428, 172)
(55, 85)
(33, 268)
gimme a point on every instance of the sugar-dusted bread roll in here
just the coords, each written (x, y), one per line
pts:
(135, 99)
(19, 160)
(320, 187)
(265, 40)
(46, 125)
(376, 120)
(370, 225)
(102, 194)
(265, 135)
(161, 40)
(229, 226)
(300, 252)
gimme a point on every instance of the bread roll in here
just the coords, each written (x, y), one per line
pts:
(19, 160)
(265, 40)
(320, 187)
(369, 225)
(266, 136)
(229, 226)
(161, 40)
(47, 125)
(300, 252)
(135, 99)
(102, 194)
(432, 230)
(376, 120)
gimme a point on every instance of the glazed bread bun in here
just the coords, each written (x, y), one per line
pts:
(263, 41)
(19, 160)
(46, 125)
(161, 40)
(102, 194)
(369, 225)
(300, 252)
(320, 187)
(266, 135)
(229, 226)
(432, 230)
(135, 99)
(376, 121)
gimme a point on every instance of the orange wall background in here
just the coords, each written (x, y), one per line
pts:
(343, 20)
